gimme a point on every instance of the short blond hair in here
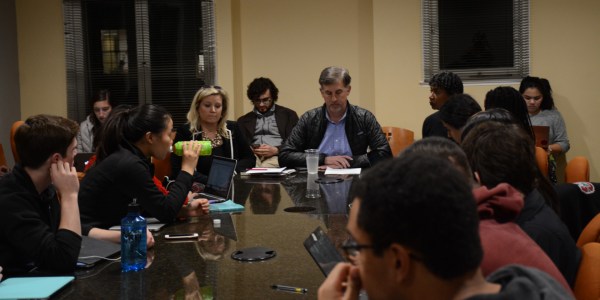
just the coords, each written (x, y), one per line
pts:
(194, 118)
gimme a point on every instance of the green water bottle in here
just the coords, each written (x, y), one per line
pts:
(205, 150)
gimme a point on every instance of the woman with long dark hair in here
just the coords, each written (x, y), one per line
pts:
(123, 172)
(102, 105)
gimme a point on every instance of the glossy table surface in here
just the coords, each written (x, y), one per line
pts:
(204, 269)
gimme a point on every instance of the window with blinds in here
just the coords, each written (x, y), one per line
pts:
(478, 40)
(143, 51)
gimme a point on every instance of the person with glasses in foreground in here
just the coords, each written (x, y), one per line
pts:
(268, 125)
(342, 132)
(415, 235)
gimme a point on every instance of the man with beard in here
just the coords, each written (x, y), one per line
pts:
(268, 125)
(342, 132)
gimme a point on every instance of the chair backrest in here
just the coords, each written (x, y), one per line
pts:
(587, 282)
(13, 147)
(577, 170)
(2, 157)
(399, 138)
(162, 167)
(590, 233)
(541, 157)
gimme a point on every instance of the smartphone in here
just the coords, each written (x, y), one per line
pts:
(179, 236)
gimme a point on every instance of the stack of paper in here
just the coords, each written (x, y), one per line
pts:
(269, 172)
(350, 171)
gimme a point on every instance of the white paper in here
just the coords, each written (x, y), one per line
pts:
(350, 171)
(264, 170)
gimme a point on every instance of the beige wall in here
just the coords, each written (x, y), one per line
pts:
(42, 70)
(379, 41)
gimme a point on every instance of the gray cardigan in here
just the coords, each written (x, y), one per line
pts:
(85, 137)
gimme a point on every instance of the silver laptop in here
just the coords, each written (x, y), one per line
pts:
(220, 177)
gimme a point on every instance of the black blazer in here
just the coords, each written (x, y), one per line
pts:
(286, 120)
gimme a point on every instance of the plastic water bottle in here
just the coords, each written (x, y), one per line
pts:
(205, 150)
(133, 240)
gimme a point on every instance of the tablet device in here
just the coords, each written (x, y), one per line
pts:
(32, 287)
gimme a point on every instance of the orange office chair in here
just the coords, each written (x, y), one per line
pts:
(577, 170)
(13, 147)
(541, 156)
(587, 282)
(2, 157)
(591, 232)
(162, 167)
(399, 138)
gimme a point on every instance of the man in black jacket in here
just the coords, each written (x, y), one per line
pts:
(342, 132)
(37, 231)
(268, 125)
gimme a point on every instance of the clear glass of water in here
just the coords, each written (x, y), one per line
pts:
(312, 160)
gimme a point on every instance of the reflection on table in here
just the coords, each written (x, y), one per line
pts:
(203, 268)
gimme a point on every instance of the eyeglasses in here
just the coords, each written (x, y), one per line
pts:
(351, 249)
(262, 101)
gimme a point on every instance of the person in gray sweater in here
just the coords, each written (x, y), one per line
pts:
(542, 112)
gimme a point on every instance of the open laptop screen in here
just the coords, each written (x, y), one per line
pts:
(220, 176)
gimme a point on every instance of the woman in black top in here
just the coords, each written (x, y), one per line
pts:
(123, 172)
(207, 120)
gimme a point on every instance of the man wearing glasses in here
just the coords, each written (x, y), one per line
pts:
(268, 125)
(414, 230)
(342, 132)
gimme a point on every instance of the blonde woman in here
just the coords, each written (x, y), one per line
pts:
(207, 120)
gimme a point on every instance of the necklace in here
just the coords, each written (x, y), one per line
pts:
(215, 142)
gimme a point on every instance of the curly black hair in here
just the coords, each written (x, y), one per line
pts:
(259, 86)
(447, 81)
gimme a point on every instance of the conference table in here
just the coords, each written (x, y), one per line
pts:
(277, 216)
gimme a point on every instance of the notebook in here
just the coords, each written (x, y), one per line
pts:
(93, 251)
(542, 134)
(81, 160)
(32, 287)
(226, 207)
(322, 250)
(219, 180)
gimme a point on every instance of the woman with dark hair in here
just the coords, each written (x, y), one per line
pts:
(123, 172)
(537, 94)
(510, 99)
(207, 121)
(90, 128)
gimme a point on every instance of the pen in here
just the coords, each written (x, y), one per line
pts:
(289, 288)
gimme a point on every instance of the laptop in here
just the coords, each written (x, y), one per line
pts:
(93, 251)
(81, 160)
(219, 180)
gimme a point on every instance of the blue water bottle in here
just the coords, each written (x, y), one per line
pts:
(133, 240)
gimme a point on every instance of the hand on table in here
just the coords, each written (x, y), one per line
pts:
(196, 207)
(337, 162)
(342, 283)
(149, 239)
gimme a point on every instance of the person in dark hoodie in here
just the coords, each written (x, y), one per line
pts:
(407, 241)
(497, 208)
(39, 216)
(504, 153)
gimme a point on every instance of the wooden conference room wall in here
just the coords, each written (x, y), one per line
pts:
(379, 41)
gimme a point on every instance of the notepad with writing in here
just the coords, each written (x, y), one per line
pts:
(227, 206)
(32, 287)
